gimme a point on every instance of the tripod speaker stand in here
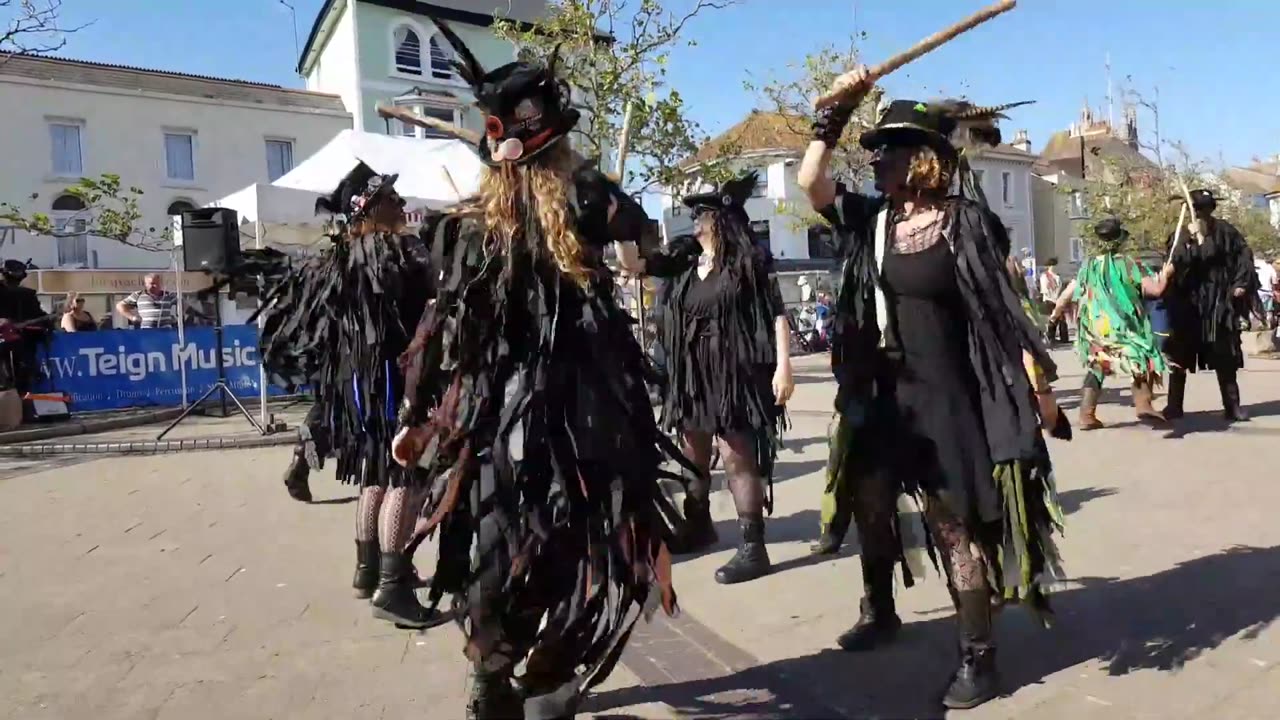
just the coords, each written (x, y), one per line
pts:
(220, 387)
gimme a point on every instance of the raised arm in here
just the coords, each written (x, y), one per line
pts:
(815, 175)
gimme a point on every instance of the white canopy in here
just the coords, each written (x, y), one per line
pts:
(433, 174)
(421, 165)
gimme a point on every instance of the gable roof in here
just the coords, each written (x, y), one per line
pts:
(1251, 181)
(758, 132)
(46, 68)
(1062, 153)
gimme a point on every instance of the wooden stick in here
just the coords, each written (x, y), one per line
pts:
(921, 48)
(430, 123)
(1186, 195)
(1177, 234)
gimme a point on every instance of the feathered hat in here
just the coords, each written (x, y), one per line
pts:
(1201, 199)
(730, 194)
(356, 192)
(526, 107)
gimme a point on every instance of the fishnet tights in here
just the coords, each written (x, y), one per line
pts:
(367, 513)
(962, 558)
(737, 451)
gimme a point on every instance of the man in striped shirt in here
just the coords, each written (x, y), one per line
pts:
(153, 307)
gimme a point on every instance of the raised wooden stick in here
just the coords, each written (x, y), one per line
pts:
(624, 141)
(924, 46)
(1177, 234)
(1186, 195)
(429, 123)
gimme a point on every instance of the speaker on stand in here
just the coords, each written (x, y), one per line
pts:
(211, 243)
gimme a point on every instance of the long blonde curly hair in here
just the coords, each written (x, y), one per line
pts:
(545, 182)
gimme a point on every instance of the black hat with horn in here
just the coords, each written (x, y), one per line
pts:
(526, 106)
(355, 192)
(732, 194)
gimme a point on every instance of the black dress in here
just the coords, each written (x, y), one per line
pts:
(709, 404)
(1204, 331)
(940, 445)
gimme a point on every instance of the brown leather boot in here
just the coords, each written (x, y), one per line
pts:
(1089, 409)
(1147, 413)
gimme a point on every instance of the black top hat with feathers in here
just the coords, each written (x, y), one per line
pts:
(731, 194)
(355, 193)
(1201, 199)
(526, 106)
(948, 125)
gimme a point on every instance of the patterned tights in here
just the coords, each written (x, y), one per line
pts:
(737, 451)
(386, 515)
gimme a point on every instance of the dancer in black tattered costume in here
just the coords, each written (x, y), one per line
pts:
(729, 367)
(527, 404)
(339, 324)
(933, 400)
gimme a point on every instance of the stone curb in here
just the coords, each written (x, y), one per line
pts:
(152, 447)
(86, 427)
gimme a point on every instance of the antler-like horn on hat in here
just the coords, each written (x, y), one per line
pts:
(989, 111)
(470, 68)
(553, 60)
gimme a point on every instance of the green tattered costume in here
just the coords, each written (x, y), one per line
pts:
(1115, 336)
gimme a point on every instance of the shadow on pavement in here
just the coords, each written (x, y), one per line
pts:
(1072, 500)
(336, 501)
(1159, 622)
(1212, 421)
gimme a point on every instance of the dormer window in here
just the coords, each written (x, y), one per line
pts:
(414, 57)
(408, 51)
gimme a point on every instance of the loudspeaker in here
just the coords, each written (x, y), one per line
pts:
(210, 239)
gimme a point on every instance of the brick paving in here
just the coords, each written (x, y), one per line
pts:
(189, 586)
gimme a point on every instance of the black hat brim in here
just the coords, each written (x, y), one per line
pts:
(905, 135)
(568, 119)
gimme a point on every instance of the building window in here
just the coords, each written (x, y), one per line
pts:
(978, 177)
(441, 59)
(821, 243)
(1075, 207)
(177, 207)
(423, 107)
(1006, 188)
(71, 225)
(180, 156)
(68, 157)
(762, 183)
(408, 48)
(279, 159)
(1077, 250)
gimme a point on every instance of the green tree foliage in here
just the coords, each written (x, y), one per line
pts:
(110, 211)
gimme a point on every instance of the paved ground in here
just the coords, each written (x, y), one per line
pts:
(189, 586)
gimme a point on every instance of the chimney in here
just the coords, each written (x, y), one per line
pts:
(1022, 142)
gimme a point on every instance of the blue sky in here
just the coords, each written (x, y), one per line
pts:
(1213, 62)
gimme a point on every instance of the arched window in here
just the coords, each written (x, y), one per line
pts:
(67, 203)
(441, 56)
(177, 207)
(71, 223)
(408, 50)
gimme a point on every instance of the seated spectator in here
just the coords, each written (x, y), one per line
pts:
(75, 318)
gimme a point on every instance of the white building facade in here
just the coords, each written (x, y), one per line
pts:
(373, 52)
(183, 140)
(1004, 173)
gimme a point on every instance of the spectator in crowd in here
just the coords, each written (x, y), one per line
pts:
(153, 307)
(1266, 289)
(75, 318)
(1050, 288)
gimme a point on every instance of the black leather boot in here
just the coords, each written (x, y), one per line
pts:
(878, 623)
(975, 681)
(493, 698)
(1177, 391)
(752, 558)
(296, 478)
(395, 601)
(367, 559)
(1232, 410)
(699, 532)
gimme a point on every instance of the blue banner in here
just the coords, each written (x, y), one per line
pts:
(112, 369)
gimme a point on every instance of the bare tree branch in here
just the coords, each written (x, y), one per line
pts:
(33, 27)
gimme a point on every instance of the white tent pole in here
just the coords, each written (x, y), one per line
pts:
(182, 319)
(262, 371)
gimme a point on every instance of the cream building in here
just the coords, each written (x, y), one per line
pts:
(183, 140)
(372, 52)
